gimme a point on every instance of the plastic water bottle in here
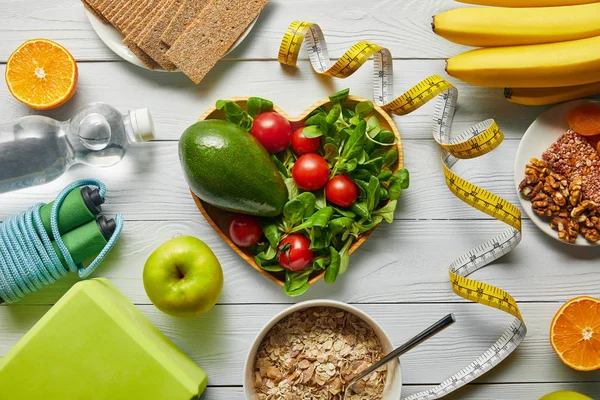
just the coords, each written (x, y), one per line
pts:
(36, 149)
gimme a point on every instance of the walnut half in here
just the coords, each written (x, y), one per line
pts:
(568, 228)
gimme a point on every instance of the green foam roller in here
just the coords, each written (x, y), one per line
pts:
(79, 207)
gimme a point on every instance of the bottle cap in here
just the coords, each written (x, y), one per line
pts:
(141, 122)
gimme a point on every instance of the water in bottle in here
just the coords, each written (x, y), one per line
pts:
(36, 149)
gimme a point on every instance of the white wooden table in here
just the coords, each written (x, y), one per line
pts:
(399, 276)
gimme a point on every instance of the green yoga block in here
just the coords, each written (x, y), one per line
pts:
(95, 345)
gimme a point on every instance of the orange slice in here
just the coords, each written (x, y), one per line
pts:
(575, 333)
(41, 74)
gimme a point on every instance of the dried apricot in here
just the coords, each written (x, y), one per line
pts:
(585, 119)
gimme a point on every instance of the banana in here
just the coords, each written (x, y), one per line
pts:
(543, 96)
(528, 3)
(487, 27)
(575, 62)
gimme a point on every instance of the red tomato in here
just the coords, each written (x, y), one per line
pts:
(303, 145)
(298, 256)
(272, 131)
(340, 190)
(244, 230)
(310, 172)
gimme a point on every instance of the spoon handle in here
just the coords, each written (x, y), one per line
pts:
(421, 337)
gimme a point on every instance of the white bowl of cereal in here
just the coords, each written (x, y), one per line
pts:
(311, 349)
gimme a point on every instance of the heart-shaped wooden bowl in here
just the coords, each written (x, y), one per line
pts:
(219, 219)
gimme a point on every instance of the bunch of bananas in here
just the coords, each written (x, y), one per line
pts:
(541, 51)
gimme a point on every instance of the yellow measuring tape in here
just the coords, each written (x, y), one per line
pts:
(474, 142)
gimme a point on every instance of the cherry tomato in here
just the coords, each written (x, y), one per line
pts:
(340, 190)
(303, 145)
(272, 131)
(244, 230)
(297, 256)
(310, 172)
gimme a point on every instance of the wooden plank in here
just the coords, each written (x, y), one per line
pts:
(176, 102)
(396, 264)
(219, 341)
(403, 26)
(484, 391)
(149, 184)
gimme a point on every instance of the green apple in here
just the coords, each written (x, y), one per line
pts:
(183, 278)
(565, 395)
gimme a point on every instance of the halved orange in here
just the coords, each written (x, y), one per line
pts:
(575, 333)
(41, 74)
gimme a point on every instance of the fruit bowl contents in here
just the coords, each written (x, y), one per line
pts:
(313, 349)
(564, 186)
(295, 196)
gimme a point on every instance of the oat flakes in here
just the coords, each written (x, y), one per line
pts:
(312, 353)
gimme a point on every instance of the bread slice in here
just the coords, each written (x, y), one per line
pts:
(153, 17)
(91, 8)
(129, 15)
(211, 35)
(185, 16)
(117, 11)
(144, 15)
(106, 6)
(151, 44)
(146, 6)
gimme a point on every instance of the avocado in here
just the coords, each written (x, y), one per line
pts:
(228, 168)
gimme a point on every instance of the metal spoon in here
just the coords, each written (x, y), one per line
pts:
(421, 337)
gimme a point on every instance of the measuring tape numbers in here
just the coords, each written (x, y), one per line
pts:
(474, 142)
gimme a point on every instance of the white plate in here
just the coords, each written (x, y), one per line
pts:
(541, 134)
(114, 40)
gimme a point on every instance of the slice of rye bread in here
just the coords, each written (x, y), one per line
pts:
(185, 16)
(156, 14)
(102, 6)
(209, 38)
(145, 15)
(151, 43)
(135, 19)
(128, 15)
(105, 5)
(154, 7)
(117, 11)
(91, 9)
(108, 6)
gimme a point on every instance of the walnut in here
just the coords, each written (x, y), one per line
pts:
(592, 222)
(551, 195)
(579, 212)
(544, 205)
(591, 234)
(568, 228)
(559, 199)
(533, 183)
(575, 191)
(538, 163)
(554, 182)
